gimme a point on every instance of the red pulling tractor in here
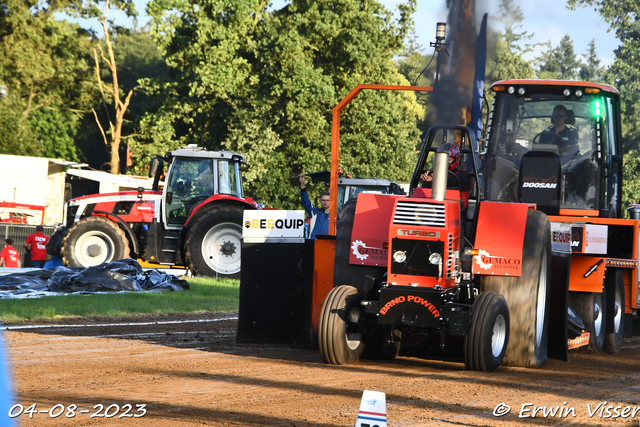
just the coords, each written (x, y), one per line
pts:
(539, 263)
(195, 221)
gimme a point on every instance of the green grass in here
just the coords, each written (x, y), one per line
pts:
(203, 296)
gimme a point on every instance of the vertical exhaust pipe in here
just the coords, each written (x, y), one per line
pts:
(440, 171)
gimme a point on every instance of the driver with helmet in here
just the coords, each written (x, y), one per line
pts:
(565, 137)
(464, 178)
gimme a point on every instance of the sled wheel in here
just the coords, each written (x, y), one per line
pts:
(343, 272)
(212, 244)
(614, 311)
(526, 296)
(486, 341)
(382, 342)
(590, 306)
(339, 337)
(94, 241)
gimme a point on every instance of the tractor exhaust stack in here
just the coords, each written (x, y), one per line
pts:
(440, 171)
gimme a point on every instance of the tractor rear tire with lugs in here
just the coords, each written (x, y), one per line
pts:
(486, 340)
(93, 241)
(340, 339)
(526, 296)
(343, 272)
(212, 243)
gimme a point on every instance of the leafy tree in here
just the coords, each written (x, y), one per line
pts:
(44, 66)
(590, 70)
(559, 62)
(264, 84)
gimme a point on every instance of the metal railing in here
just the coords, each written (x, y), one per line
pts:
(19, 234)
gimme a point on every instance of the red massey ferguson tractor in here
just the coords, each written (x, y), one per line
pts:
(540, 262)
(195, 221)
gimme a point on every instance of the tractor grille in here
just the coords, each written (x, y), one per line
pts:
(418, 213)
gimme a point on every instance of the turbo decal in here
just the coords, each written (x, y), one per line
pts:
(419, 233)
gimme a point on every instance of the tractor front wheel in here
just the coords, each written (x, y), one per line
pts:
(212, 244)
(590, 306)
(486, 340)
(340, 337)
(93, 241)
(614, 312)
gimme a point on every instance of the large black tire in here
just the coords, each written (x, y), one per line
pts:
(343, 272)
(486, 340)
(526, 296)
(212, 243)
(614, 311)
(93, 241)
(340, 340)
(590, 306)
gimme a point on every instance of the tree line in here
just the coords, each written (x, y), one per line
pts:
(238, 75)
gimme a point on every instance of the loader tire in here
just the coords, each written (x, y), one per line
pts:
(486, 340)
(526, 296)
(615, 316)
(343, 272)
(340, 339)
(212, 243)
(93, 241)
(590, 306)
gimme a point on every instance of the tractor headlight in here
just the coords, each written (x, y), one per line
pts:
(400, 256)
(435, 258)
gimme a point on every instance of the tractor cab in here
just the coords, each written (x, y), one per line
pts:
(553, 143)
(194, 176)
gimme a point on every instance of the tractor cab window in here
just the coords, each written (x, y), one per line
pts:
(189, 183)
(229, 178)
(544, 149)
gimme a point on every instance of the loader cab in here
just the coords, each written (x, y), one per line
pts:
(194, 176)
(526, 161)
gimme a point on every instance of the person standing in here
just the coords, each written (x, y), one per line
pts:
(319, 216)
(37, 243)
(9, 257)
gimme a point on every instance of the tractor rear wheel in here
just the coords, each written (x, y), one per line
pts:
(486, 341)
(526, 295)
(93, 241)
(590, 306)
(343, 272)
(212, 244)
(340, 338)
(614, 311)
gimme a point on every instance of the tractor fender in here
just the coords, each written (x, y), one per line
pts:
(500, 238)
(127, 230)
(221, 198)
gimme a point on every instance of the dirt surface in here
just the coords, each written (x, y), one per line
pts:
(193, 373)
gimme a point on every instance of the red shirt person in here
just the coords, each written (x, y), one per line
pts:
(9, 257)
(37, 242)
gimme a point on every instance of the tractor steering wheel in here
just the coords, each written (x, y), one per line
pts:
(553, 140)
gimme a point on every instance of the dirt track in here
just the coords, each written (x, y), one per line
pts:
(194, 373)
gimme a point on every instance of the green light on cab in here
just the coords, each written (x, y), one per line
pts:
(596, 110)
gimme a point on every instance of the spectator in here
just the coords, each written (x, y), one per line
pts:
(9, 257)
(319, 216)
(37, 244)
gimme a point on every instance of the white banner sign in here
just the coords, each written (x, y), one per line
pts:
(259, 225)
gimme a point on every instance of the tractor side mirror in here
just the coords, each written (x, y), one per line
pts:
(153, 167)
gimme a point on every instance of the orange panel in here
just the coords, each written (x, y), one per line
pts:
(579, 212)
(324, 254)
(580, 265)
(500, 238)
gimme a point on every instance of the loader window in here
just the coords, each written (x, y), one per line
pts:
(522, 125)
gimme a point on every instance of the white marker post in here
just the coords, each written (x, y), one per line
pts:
(373, 410)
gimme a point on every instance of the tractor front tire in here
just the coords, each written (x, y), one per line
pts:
(212, 243)
(526, 296)
(590, 306)
(343, 272)
(486, 340)
(340, 339)
(93, 241)
(614, 311)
